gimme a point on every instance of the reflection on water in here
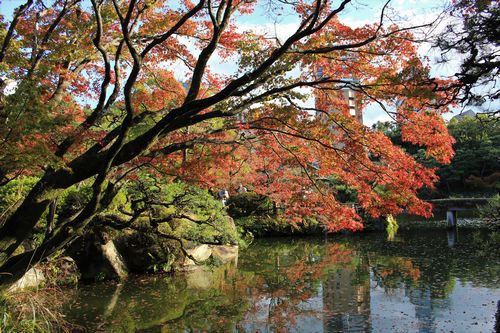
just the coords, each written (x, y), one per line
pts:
(423, 281)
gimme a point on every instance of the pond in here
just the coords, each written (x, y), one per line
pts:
(421, 281)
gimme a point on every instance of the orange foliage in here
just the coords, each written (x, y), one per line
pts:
(274, 147)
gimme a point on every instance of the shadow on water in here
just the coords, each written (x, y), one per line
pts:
(422, 281)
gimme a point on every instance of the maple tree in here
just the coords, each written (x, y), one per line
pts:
(99, 98)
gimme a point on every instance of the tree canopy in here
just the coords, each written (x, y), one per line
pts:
(475, 167)
(472, 35)
(107, 89)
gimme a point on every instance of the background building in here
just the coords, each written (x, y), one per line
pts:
(334, 99)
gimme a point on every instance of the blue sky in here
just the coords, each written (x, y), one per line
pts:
(7, 6)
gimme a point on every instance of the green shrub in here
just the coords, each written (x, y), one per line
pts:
(490, 212)
(12, 192)
(249, 203)
(205, 218)
(75, 198)
(263, 225)
(11, 195)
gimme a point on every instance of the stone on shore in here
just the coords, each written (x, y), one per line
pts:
(114, 258)
(199, 253)
(32, 279)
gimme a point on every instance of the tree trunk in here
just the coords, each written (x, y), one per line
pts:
(51, 216)
(21, 223)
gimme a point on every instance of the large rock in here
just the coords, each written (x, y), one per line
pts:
(97, 260)
(225, 253)
(33, 278)
(199, 253)
(114, 258)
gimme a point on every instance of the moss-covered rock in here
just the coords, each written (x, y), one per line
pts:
(147, 252)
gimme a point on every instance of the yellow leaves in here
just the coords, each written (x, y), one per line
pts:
(391, 227)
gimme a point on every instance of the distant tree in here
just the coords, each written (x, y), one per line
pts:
(476, 164)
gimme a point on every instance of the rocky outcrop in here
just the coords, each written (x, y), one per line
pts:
(146, 252)
(199, 253)
(114, 257)
(96, 259)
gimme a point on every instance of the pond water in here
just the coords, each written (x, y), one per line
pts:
(421, 281)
